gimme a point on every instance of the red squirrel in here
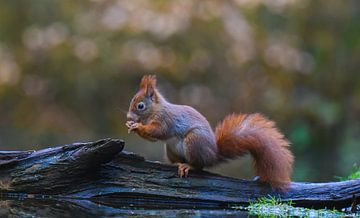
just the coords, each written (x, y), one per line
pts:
(191, 143)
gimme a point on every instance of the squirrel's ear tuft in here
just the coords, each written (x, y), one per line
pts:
(148, 83)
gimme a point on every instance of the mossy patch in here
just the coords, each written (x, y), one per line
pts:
(273, 207)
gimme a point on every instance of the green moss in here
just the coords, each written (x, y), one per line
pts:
(355, 174)
(273, 207)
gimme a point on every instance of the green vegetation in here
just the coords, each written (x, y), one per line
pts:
(272, 207)
(355, 174)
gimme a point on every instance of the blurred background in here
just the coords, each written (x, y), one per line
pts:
(68, 70)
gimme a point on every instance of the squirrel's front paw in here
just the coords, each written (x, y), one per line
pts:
(129, 123)
(132, 126)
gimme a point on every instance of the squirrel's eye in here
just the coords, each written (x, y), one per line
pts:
(140, 106)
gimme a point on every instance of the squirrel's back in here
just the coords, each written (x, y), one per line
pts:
(183, 118)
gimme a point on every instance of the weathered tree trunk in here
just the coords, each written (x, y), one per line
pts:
(97, 176)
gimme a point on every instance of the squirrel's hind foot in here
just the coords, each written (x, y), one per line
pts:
(183, 169)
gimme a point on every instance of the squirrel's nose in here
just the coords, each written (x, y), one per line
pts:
(131, 116)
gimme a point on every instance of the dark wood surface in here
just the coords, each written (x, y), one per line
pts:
(99, 175)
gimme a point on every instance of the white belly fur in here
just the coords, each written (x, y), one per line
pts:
(176, 145)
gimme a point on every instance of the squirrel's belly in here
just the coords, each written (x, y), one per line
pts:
(176, 146)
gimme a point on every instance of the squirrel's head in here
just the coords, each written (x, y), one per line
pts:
(145, 101)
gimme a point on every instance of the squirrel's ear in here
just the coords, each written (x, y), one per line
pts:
(148, 84)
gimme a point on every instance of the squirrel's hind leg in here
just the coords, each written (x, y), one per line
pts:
(172, 157)
(201, 149)
(183, 168)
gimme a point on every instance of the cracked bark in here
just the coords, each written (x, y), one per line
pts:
(100, 178)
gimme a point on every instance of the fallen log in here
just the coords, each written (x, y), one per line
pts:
(100, 176)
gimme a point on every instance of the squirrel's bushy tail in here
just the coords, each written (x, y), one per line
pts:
(239, 134)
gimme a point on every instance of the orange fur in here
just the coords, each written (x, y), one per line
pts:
(148, 83)
(241, 133)
(151, 132)
(191, 142)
